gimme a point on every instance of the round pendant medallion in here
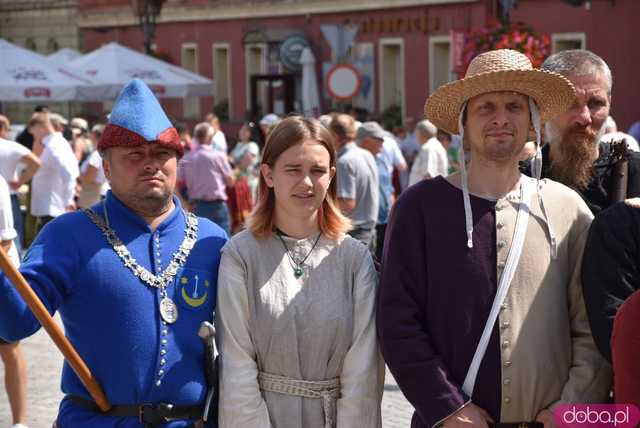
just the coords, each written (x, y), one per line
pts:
(168, 310)
(298, 272)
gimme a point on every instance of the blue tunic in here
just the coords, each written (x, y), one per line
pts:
(112, 317)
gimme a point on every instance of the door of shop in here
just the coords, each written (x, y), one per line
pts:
(272, 93)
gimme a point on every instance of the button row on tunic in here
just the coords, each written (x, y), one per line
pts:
(165, 331)
(156, 238)
(163, 352)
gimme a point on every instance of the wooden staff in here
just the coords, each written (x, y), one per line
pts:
(54, 331)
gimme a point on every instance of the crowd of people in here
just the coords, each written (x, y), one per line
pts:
(461, 250)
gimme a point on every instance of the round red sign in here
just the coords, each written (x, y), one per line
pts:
(343, 81)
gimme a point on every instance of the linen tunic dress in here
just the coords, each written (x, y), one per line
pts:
(317, 327)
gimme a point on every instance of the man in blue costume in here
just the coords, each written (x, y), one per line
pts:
(132, 278)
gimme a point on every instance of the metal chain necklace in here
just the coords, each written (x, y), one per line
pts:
(298, 266)
(168, 309)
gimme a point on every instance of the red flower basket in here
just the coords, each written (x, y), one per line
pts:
(517, 36)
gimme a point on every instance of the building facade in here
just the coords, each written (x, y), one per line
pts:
(400, 48)
(43, 26)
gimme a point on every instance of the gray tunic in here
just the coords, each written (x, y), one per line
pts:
(317, 327)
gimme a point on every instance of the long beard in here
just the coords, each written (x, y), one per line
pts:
(574, 167)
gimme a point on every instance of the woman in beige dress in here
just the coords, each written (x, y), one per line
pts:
(295, 316)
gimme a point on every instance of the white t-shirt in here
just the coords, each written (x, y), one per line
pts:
(10, 155)
(95, 160)
(7, 232)
(53, 185)
(219, 142)
(431, 161)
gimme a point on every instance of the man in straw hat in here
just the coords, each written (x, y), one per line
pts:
(133, 278)
(480, 312)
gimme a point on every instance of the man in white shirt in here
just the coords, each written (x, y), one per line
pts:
(219, 140)
(432, 158)
(12, 154)
(55, 182)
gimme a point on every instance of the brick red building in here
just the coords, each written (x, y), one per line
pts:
(401, 47)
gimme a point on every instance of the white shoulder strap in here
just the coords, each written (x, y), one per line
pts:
(513, 257)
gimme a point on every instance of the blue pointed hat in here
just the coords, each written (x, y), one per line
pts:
(137, 119)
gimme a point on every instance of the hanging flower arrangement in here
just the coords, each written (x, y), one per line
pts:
(517, 36)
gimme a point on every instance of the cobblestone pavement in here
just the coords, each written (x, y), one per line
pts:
(45, 363)
(396, 410)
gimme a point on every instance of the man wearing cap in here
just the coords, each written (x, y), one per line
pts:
(382, 145)
(575, 155)
(480, 312)
(357, 176)
(133, 277)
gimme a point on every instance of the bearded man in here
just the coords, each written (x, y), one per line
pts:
(575, 156)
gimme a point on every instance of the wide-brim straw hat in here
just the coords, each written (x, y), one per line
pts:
(500, 70)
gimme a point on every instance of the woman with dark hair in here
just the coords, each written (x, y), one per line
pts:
(296, 299)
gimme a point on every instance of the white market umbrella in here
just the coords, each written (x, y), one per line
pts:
(310, 97)
(63, 56)
(26, 76)
(112, 66)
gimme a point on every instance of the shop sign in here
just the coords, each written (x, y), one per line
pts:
(400, 24)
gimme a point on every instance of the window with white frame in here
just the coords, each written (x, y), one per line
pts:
(439, 63)
(189, 61)
(255, 56)
(566, 41)
(391, 73)
(222, 75)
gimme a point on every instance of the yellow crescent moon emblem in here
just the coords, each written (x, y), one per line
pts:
(194, 302)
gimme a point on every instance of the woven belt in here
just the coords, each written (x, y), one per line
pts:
(326, 390)
(150, 415)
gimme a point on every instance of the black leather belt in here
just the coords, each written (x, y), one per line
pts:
(151, 415)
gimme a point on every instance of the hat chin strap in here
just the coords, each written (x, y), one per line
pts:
(468, 214)
(537, 171)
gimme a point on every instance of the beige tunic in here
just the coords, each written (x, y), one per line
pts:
(547, 351)
(318, 327)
